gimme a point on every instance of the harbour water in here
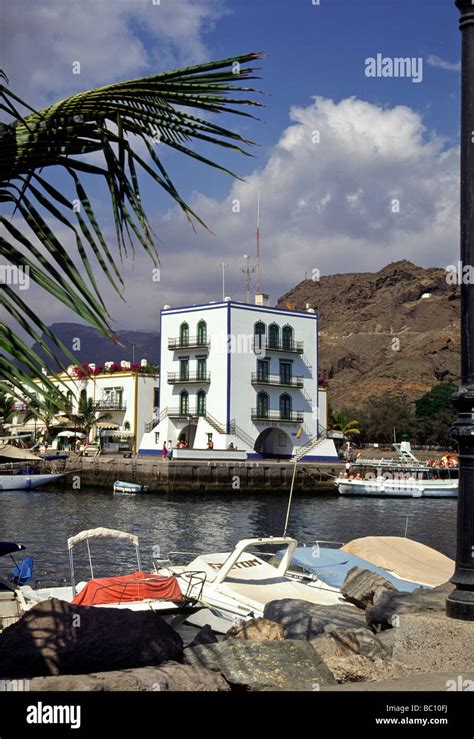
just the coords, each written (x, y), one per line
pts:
(43, 520)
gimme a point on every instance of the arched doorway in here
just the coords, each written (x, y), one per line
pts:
(274, 442)
(188, 433)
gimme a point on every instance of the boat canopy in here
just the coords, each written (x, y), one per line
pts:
(7, 547)
(93, 533)
(332, 565)
(8, 451)
(407, 559)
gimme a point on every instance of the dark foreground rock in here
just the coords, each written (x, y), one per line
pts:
(263, 665)
(360, 585)
(205, 635)
(257, 628)
(169, 676)
(303, 620)
(55, 638)
(389, 606)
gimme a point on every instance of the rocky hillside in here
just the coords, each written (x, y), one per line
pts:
(383, 332)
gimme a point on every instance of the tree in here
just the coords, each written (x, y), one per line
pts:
(381, 414)
(109, 120)
(45, 412)
(341, 421)
(7, 409)
(87, 415)
(436, 414)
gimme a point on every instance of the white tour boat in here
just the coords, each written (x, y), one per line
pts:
(404, 476)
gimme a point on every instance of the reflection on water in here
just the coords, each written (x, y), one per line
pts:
(44, 520)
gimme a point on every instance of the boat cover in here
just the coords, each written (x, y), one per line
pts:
(8, 451)
(406, 558)
(332, 565)
(126, 588)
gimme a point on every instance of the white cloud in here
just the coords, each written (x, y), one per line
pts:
(437, 61)
(326, 205)
(41, 40)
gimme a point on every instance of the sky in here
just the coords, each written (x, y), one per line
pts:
(354, 171)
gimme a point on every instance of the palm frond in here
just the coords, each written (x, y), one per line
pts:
(160, 109)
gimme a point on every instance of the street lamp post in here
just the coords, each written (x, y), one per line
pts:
(460, 603)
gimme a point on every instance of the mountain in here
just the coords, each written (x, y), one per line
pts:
(93, 347)
(396, 330)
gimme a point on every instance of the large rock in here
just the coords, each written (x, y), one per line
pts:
(431, 642)
(263, 665)
(257, 628)
(360, 585)
(353, 655)
(303, 620)
(169, 676)
(56, 638)
(205, 635)
(389, 606)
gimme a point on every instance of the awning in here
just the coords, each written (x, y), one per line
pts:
(93, 533)
(106, 425)
(69, 434)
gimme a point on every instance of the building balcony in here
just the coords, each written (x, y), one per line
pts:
(260, 415)
(184, 413)
(262, 344)
(110, 405)
(176, 378)
(258, 379)
(192, 342)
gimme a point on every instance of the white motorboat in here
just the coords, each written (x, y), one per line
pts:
(23, 470)
(239, 584)
(403, 477)
(129, 488)
(136, 591)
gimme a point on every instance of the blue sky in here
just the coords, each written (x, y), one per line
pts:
(327, 207)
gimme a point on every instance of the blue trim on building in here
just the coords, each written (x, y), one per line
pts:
(244, 306)
(228, 379)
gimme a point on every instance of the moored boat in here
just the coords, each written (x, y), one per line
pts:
(404, 476)
(129, 488)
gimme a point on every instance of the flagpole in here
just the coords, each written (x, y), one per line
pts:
(298, 434)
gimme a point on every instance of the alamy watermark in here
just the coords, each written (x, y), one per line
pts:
(11, 274)
(386, 66)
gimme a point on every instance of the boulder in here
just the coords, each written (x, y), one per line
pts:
(356, 641)
(55, 638)
(205, 636)
(354, 655)
(303, 620)
(257, 628)
(360, 585)
(166, 677)
(264, 665)
(388, 606)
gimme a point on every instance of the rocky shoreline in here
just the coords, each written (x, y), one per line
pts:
(379, 636)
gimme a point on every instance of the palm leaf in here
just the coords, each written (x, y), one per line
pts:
(103, 120)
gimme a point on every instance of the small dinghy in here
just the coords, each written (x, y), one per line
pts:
(129, 488)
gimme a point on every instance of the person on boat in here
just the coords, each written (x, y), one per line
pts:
(210, 444)
(231, 447)
(164, 451)
(170, 451)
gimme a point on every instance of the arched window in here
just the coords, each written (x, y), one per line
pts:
(262, 405)
(184, 403)
(184, 334)
(259, 335)
(287, 337)
(273, 336)
(201, 403)
(69, 400)
(285, 406)
(202, 332)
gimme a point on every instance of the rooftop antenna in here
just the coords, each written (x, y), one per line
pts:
(259, 282)
(247, 270)
(223, 265)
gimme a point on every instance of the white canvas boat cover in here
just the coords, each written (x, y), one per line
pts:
(8, 451)
(93, 533)
(406, 558)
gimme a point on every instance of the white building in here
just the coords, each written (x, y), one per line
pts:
(129, 399)
(241, 374)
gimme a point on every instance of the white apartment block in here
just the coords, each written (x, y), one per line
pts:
(243, 375)
(128, 398)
